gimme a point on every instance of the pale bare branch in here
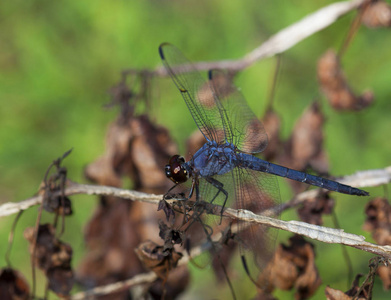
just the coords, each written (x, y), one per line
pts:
(366, 178)
(278, 43)
(116, 286)
(328, 235)
(320, 233)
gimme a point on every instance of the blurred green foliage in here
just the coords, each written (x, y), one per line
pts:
(58, 60)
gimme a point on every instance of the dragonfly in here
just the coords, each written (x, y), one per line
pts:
(226, 167)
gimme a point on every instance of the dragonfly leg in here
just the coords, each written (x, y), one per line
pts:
(220, 187)
(180, 197)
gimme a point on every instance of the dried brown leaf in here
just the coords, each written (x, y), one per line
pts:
(13, 285)
(272, 123)
(101, 171)
(306, 141)
(49, 251)
(305, 146)
(293, 266)
(177, 282)
(111, 235)
(335, 86)
(365, 292)
(313, 208)
(55, 204)
(61, 280)
(333, 294)
(377, 14)
(156, 259)
(378, 221)
(384, 273)
(53, 257)
(138, 149)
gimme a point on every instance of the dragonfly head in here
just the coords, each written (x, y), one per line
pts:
(176, 170)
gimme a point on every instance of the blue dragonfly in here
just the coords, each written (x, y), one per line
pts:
(225, 169)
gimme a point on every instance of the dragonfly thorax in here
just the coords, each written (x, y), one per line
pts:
(176, 169)
(213, 159)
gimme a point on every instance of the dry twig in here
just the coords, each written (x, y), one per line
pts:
(324, 234)
(278, 43)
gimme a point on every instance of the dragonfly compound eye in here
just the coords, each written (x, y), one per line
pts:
(175, 170)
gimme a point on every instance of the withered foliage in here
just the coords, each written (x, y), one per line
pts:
(356, 292)
(55, 184)
(293, 266)
(377, 14)
(136, 149)
(304, 148)
(335, 86)
(155, 258)
(313, 209)
(272, 123)
(13, 285)
(378, 222)
(51, 256)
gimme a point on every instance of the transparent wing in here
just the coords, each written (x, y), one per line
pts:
(242, 127)
(256, 191)
(251, 190)
(197, 92)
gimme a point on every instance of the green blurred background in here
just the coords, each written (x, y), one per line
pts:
(58, 61)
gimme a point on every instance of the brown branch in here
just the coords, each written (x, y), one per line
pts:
(276, 44)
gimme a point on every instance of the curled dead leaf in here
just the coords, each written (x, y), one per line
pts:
(272, 123)
(333, 294)
(55, 204)
(313, 208)
(13, 285)
(377, 14)
(304, 148)
(378, 221)
(136, 148)
(306, 141)
(60, 280)
(156, 259)
(335, 86)
(53, 257)
(49, 251)
(293, 266)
